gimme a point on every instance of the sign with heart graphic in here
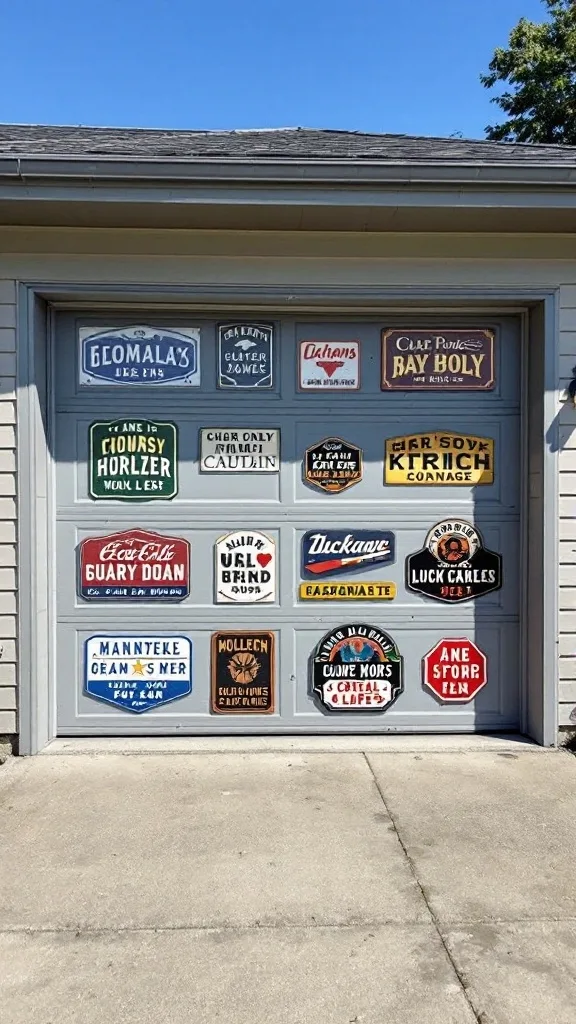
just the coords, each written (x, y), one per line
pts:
(245, 568)
(329, 366)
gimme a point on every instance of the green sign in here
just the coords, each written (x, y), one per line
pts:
(133, 460)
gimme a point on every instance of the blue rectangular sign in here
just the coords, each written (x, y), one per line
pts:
(342, 552)
(147, 356)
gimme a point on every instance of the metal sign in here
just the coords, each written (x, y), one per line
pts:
(454, 565)
(136, 672)
(341, 552)
(329, 366)
(450, 360)
(357, 668)
(132, 460)
(135, 565)
(140, 355)
(245, 356)
(361, 590)
(455, 670)
(333, 465)
(245, 568)
(243, 668)
(239, 450)
(439, 459)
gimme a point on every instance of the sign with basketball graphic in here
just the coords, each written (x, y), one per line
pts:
(454, 565)
(329, 366)
(243, 672)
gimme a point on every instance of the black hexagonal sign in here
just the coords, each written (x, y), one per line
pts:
(332, 465)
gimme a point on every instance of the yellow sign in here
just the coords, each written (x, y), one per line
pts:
(453, 459)
(362, 590)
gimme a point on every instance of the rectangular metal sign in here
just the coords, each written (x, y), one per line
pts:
(239, 450)
(439, 459)
(360, 590)
(341, 552)
(439, 360)
(135, 565)
(148, 356)
(136, 672)
(245, 354)
(132, 460)
(243, 670)
(329, 366)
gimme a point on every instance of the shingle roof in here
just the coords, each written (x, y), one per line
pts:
(282, 144)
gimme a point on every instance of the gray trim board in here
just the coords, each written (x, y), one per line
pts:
(551, 580)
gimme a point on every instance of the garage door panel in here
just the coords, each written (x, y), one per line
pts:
(495, 706)
(283, 506)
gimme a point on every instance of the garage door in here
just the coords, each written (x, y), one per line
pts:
(276, 525)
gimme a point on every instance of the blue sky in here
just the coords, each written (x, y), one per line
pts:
(370, 65)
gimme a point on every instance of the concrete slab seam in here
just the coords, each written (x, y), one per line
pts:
(479, 1016)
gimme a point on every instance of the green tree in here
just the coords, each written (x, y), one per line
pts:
(539, 65)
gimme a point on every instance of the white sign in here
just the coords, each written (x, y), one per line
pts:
(245, 568)
(329, 366)
(239, 450)
(137, 673)
(148, 356)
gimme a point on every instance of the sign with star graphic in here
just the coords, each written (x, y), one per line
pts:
(137, 673)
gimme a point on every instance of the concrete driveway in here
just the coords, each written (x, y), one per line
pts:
(377, 882)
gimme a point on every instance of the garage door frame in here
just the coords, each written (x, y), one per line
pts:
(35, 326)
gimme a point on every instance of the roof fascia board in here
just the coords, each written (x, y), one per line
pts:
(263, 196)
(110, 168)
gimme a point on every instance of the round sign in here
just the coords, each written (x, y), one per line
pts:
(455, 670)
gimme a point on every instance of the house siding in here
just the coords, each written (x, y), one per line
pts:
(8, 558)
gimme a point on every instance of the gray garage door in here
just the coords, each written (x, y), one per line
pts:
(366, 579)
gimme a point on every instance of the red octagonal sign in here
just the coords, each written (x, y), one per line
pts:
(455, 670)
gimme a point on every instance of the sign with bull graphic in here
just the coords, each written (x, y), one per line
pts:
(329, 366)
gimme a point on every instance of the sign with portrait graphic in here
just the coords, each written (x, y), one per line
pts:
(454, 565)
(243, 669)
(357, 667)
(439, 459)
(245, 356)
(132, 460)
(140, 356)
(332, 465)
(135, 672)
(437, 360)
(245, 568)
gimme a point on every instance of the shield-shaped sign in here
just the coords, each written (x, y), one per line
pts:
(245, 356)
